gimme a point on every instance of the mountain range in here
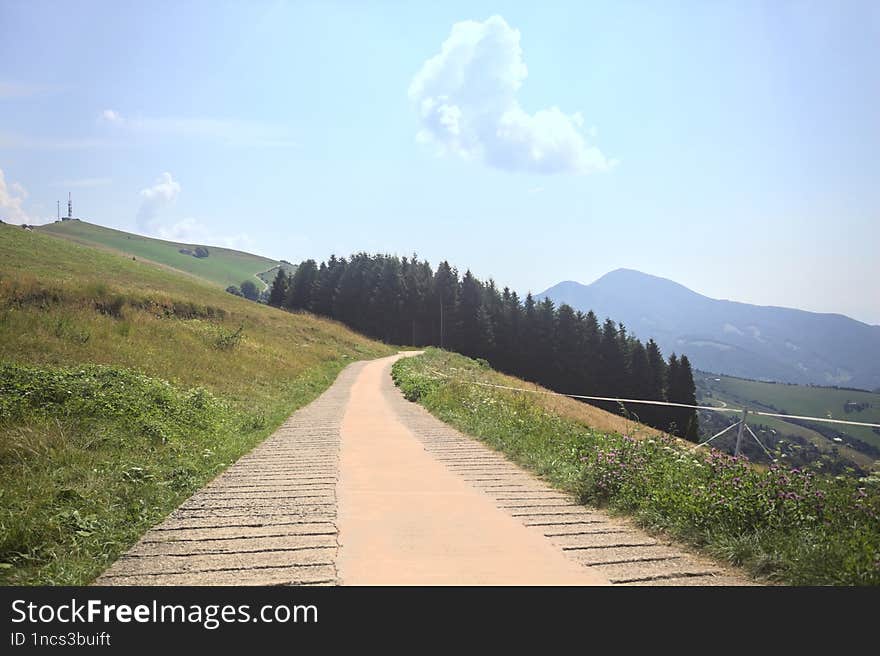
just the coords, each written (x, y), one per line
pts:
(738, 339)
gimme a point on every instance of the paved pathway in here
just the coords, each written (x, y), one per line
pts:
(418, 503)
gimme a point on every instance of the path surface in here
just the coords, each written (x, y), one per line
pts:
(418, 503)
(406, 517)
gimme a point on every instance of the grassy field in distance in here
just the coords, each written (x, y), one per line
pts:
(223, 266)
(797, 400)
(188, 378)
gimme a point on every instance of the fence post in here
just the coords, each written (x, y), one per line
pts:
(739, 434)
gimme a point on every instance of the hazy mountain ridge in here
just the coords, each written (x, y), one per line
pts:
(740, 339)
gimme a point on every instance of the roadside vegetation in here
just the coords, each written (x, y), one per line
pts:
(789, 525)
(124, 387)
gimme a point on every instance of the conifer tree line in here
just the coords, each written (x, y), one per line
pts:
(401, 300)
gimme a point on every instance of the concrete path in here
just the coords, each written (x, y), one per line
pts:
(406, 518)
(418, 503)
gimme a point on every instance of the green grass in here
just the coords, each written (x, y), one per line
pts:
(785, 525)
(268, 276)
(223, 266)
(797, 400)
(189, 379)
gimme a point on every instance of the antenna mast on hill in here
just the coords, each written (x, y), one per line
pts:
(59, 208)
(69, 206)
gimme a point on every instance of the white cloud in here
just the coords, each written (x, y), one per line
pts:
(111, 116)
(11, 198)
(188, 230)
(466, 97)
(155, 198)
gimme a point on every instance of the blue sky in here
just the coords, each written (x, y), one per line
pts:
(730, 146)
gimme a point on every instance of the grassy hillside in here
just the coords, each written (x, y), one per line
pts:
(790, 525)
(798, 400)
(268, 276)
(126, 386)
(223, 266)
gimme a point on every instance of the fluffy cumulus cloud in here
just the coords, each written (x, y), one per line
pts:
(12, 196)
(154, 199)
(466, 97)
(151, 219)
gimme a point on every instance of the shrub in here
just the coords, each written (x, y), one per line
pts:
(249, 290)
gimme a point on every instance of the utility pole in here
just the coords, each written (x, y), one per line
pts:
(739, 434)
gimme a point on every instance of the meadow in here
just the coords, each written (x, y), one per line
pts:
(802, 400)
(126, 387)
(222, 266)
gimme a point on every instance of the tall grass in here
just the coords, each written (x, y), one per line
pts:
(189, 378)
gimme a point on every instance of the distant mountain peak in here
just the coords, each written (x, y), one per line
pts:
(750, 341)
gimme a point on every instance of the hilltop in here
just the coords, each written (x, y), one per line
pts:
(739, 339)
(221, 266)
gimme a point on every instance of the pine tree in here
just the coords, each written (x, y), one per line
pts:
(639, 379)
(494, 316)
(279, 288)
(386, 301)
(470, 340)
(299, 292)
(568, 345)
(612, 365)
(654, 415)
(508, 333)
(688, 395)
(590, 356)
(671, 420)
(530, 366)
(349, 293)
(444, 302)
(545, 340)
(325, 286)
(416, 289)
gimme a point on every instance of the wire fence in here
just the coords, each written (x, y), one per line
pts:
(742, 424)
